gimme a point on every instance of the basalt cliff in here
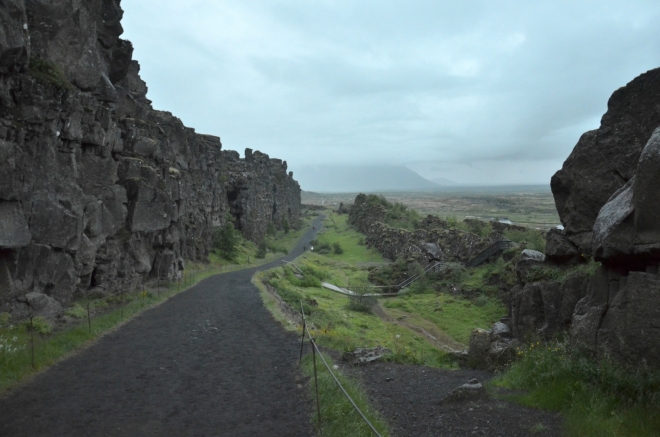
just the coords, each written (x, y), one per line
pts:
(99, 191)
(608, 198)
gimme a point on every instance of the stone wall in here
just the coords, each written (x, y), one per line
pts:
(423, 245)
(99, 191)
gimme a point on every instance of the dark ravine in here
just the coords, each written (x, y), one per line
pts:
(99, 191)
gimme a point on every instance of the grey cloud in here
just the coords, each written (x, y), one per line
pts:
(393, 82)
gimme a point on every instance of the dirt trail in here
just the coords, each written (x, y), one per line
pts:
(210, 361)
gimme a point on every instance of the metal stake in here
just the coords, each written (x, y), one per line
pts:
(89, 320)
(302, 340)
(316, 380)
(32, 339)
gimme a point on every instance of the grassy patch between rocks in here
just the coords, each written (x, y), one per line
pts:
(599, 399)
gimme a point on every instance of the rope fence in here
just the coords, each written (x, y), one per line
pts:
(29, 321)
(315, 351)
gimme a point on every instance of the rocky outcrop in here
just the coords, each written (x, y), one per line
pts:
(608, 201)
(604, 160)
(423, 245)
(99, 191)
(259, 191)
(452, 244)
(492, 349)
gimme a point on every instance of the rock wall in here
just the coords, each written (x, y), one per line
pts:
(421, 245)
(607, 197)
(99, 191)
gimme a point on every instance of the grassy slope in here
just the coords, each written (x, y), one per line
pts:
(339, 327)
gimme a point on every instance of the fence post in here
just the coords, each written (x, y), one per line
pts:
(121, 303)
(316, 380)
(302, 340)
(32, 339)
(89, 320)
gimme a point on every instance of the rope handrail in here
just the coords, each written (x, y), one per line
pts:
(412, 279)
(298, 268)
(311, 340)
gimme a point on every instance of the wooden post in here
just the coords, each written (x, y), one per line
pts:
(32, 339)
(302, 341)
(89, 320)
(316, 380)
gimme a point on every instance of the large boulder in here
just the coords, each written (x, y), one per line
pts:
(627, 230)
(605, 159)
(491, 349)
(559, 248)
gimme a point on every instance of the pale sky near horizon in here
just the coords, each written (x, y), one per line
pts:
(485, 92)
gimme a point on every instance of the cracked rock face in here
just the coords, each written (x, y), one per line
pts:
(607, 198)
(607, 158)
(98, 191)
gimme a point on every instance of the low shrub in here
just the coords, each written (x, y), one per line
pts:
(77, 312)
(39, 324)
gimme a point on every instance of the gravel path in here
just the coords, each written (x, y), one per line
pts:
(210, 361)
(409, 399)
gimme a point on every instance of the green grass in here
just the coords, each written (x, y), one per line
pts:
(337, 230)
(454, 315)
(338, 416)
(339, 326)
(534, 239)
(596, 398)
(397, 214)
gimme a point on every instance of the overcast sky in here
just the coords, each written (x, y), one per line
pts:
(493, 92)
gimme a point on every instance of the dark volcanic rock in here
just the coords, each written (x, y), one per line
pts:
(98, 191)
(608, 201)
(559, 248)
(14, 37)
(605, 159)
(629, 330)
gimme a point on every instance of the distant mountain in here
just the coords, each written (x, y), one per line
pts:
(443, 181)
(351, 179)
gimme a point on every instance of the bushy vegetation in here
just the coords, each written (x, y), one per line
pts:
(398, 215)
(226, 239)
(46, 70)
(598, 399)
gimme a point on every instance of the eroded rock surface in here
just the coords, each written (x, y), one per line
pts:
(99, 191)
(607, 197)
